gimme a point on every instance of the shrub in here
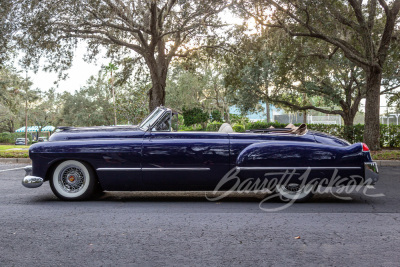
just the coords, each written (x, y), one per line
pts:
(390, 135)
(238, 128)
(234, 118)
(263, 125)
(194, 116)
(190, 128)
(214, 126)
(216, 116)
(9, 138)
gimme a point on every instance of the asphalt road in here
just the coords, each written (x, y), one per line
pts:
(153, 229)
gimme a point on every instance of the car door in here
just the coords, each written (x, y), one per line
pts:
(184, 160)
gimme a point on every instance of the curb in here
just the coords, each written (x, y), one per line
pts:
(16, 160)
(387, 163)
(381, 163)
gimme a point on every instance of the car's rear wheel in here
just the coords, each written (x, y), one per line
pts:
(73, 180)
(295, 192)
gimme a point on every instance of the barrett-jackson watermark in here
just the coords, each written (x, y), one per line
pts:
(342, 185)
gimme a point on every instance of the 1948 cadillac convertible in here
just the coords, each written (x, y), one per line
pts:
(80, 162)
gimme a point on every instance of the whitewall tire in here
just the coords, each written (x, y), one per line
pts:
(73, 180)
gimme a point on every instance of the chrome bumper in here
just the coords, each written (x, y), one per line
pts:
(371, 173)
(30, 181)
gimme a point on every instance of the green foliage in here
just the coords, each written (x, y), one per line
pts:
(196, 81)
(120, 28)
(214, 126)
(216, 116)
(389, 154)
(234, 118)
(9, 138)
(390, 135)
(184, 128)
(15, 93)
(194, 116)
(238, 128)
(263, 125)
(132, 103)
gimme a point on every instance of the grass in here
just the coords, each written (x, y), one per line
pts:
(386, 154)
(7, 151)
(5, 147)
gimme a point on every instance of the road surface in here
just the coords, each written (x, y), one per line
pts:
(176, 229)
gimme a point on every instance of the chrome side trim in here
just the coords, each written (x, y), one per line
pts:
(296, 168)
(175, 169)
(118, 169)
(153, 169)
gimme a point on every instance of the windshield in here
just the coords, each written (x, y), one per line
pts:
(146, 123)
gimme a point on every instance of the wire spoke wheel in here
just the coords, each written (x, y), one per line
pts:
(73, 180)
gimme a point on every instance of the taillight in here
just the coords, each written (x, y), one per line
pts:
(365, 147)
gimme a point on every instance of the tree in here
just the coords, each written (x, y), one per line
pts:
(365, 33)
(250, 74)
(332, 82)
(157, 31)
(16, 97)
(193, 116)
(132, 103)
(92, 105)
(89, 106)
(394, 100)
(10, 85)
(110, 68)
(45, 111)
(331, 85)
(7, 29)
(197, 81)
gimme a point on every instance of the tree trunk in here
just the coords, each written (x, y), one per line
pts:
(268, 111)
(348, 119)
(26, 121)
(226, 116)
(157, 95)
(158, 72)
(113, 93)
(305, 116)
(372, 104)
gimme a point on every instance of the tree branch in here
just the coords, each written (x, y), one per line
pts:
(297, 107)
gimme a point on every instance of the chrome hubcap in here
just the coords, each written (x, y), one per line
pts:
(71, 179)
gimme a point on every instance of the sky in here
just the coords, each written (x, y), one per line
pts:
(79, 73)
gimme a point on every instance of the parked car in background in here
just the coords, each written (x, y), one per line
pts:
(42, 139)
(78, 162)
(20, 141)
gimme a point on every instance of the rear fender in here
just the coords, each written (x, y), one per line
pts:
(262, 159)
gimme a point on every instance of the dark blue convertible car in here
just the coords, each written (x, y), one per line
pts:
(80, 162)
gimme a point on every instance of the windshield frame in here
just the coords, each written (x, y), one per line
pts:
(150, 120)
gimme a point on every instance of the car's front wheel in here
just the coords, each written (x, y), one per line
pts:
(73, 180)
(295, 192)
